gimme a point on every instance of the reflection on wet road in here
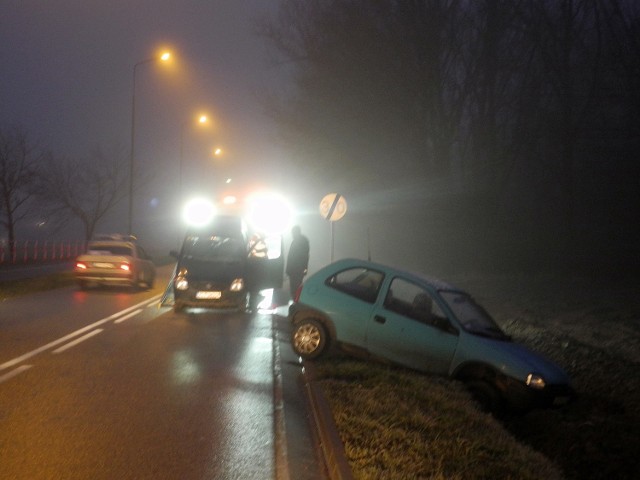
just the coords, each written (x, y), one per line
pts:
(160, 395)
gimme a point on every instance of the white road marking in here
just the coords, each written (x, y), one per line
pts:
(15, 372)
(132, 314)
(32, 353)
(77, 341)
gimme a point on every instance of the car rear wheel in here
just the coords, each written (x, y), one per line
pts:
(309, 338)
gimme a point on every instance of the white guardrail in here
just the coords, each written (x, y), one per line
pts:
(40, 251)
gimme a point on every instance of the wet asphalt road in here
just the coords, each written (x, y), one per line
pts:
(106, 384)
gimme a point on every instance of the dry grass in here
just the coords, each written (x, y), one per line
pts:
(398, 424)
(14, 288)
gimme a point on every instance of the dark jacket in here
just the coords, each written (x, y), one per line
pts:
(298, 257)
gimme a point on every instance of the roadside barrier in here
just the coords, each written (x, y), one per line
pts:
(37, 251)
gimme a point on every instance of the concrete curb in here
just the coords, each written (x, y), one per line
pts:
(330, 442)
(282, 464)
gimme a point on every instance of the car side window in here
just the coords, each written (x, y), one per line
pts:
(413, 301)
(361, 283)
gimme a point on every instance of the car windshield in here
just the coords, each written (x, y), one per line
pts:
(213, 247)
(99, 249)
(472, 316)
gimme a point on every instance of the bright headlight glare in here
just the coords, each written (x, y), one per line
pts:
(270, 213)
(198, 212)
(535, 381)
(237, 285)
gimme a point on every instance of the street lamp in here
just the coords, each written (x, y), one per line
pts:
(202, 119)
(163, 57)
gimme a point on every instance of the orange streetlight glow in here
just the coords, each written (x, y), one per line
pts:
(202, 119)
(165, 56)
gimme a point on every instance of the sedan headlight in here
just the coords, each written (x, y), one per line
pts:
(535, 381)
(237, 285)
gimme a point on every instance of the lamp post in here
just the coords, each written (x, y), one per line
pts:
(164, 57)
(202, 119)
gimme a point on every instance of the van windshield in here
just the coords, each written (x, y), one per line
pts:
(213, 247)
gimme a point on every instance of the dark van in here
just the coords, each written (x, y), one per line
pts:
(222, 262)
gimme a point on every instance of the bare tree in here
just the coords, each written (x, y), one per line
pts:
(384, 88)
(87, 188)
(514, 105)
(17, 159)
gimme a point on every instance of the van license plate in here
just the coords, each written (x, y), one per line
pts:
(208, 295)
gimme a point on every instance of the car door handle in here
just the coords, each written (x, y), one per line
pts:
(379, 319)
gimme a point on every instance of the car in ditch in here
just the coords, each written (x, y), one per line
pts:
(114, 260)
(406, 318)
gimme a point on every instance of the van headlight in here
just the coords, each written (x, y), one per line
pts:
(237, 285)
(181, 282)
(535, 381)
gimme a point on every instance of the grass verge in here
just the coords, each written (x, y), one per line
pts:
(14, 288)
(399, 424)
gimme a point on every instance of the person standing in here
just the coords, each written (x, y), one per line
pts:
(256, 266)
(297, 259)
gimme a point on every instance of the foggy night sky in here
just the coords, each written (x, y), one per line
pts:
(67, 75)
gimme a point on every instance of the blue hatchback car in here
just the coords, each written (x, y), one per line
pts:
(425, 324)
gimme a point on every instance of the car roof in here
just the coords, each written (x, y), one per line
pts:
(417, 277)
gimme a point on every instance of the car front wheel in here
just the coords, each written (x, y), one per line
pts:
(309, 338)
(487, 396)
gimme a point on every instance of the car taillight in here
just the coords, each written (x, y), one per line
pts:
(296, 297)
(125, 266)
(81, 266)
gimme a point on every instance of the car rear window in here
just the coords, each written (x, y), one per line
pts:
(119, 250)
(358, 282)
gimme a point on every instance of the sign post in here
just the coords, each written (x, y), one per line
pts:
(333, 207)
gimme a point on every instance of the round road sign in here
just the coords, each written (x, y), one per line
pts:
(333, 207)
